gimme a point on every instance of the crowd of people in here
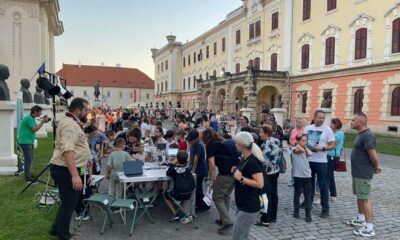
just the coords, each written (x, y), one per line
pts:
(227, 156)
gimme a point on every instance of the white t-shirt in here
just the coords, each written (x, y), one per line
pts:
(321, 135)
(144, 127)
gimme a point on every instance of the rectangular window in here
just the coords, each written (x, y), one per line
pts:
(331, 5)
(162, 67)
(84, 93)
(147, 96)
(305, 56)
(251, 31)
(258, 28)
(274, 62)
(215, 48)
(330, 51)
(120, 94)
(361, 43)
(238, 37)
(188, 60)
(200, 57)
(275, 21)
(166, 65)
(306, 9)
(223, 44)
(184, 62)
(194, 57)
(131, 95)
(396, 36)
(158, 68)
(108, 94)
(207, 51)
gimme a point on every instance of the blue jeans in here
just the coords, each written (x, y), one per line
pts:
(27, 149)
(321, 171)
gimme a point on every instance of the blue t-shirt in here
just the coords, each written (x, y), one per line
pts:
(198, 149)
(100, 138)
(339, 136)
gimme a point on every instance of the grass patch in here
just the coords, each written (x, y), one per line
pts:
(384, 144)
(21, 218)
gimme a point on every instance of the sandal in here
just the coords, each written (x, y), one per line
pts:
(263, 224)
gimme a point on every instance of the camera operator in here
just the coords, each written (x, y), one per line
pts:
(26, 137)
(70, 157)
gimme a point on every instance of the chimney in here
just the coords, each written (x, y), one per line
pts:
(171, 39)
(118, 65)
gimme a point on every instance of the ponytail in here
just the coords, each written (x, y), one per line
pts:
(256, 151)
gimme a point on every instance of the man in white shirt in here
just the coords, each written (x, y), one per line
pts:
(320, 139)
(145, 128)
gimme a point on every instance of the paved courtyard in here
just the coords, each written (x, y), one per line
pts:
(386, 192)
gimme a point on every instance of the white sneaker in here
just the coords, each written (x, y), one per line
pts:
(364, 232)
(355, 222)
(84, 218)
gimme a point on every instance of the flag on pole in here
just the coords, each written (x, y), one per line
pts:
(42, 69)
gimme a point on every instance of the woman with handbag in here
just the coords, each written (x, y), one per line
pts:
(272, 151)
(334, 156)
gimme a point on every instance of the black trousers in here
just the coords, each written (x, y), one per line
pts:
(302, 185)
(331, 175)
(271, 189)
(69, 199)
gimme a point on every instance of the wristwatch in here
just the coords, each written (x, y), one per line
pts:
(242, 181)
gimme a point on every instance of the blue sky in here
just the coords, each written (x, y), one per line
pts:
(123, 31)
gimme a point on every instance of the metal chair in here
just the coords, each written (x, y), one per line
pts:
(141, 197)
(101, 200)
(127, 204)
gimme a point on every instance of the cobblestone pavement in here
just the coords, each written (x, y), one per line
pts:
(385, 195)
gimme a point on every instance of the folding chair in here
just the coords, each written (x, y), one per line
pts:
(187, 217)
(102, 201)
(141, 197)
(128, 204)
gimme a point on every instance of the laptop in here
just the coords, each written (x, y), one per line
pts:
(133, 168)
(172, 152)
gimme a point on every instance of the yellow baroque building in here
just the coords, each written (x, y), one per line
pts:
(300, 51)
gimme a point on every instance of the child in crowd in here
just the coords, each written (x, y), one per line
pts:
(180, 138)
(140, 156)
(179, 166)
(170, 137)
(302, 176)
(109, 142)
(114, 165)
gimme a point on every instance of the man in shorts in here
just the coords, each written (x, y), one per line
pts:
(364, 163)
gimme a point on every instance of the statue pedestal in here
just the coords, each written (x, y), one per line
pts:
(97, 104)
(8, 160)
(246, 112)
(279, 114)
(328, 116)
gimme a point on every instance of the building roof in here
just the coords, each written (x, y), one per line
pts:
(85, 75)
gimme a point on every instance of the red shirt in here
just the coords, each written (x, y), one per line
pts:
(182, 145)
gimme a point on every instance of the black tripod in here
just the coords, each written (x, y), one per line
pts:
(36, 179)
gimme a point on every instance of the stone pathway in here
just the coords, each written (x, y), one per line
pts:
(385, 195)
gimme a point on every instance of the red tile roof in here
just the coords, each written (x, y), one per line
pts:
(85, 75)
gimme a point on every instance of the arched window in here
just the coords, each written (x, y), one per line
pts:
(305, 56)
(257, 63)
(330, 51)
(361, 44)
(274, 62)
(304, 103)
(184, 83)
(188, 83)
(166, 86)
(396, 102)
(358, 100)
(237, 68)
(396, 36)
(250, 63)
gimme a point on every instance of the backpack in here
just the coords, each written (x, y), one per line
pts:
(230, 145)
(184, 183)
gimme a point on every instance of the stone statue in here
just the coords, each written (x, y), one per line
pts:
(26, 95)
(279, 103)
(163, 105)
(4, 91)
(151, 105)
(156, 104)
(38, 97)
(327, 101)
(147, 105)
(245, 102)
(97, 91)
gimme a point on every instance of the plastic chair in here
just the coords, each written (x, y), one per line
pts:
(101, 200)
(127, 204)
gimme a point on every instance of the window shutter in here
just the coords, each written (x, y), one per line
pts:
(251, 31)
(223, 44)
(215, 48)
(306, 9)
(258, 28)
(274, 62)
(305, 56)
(238, 36)
(331, 5)
(361, 43)
(395, 111)
(275, 21)
(396, 36)
(330, 51)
